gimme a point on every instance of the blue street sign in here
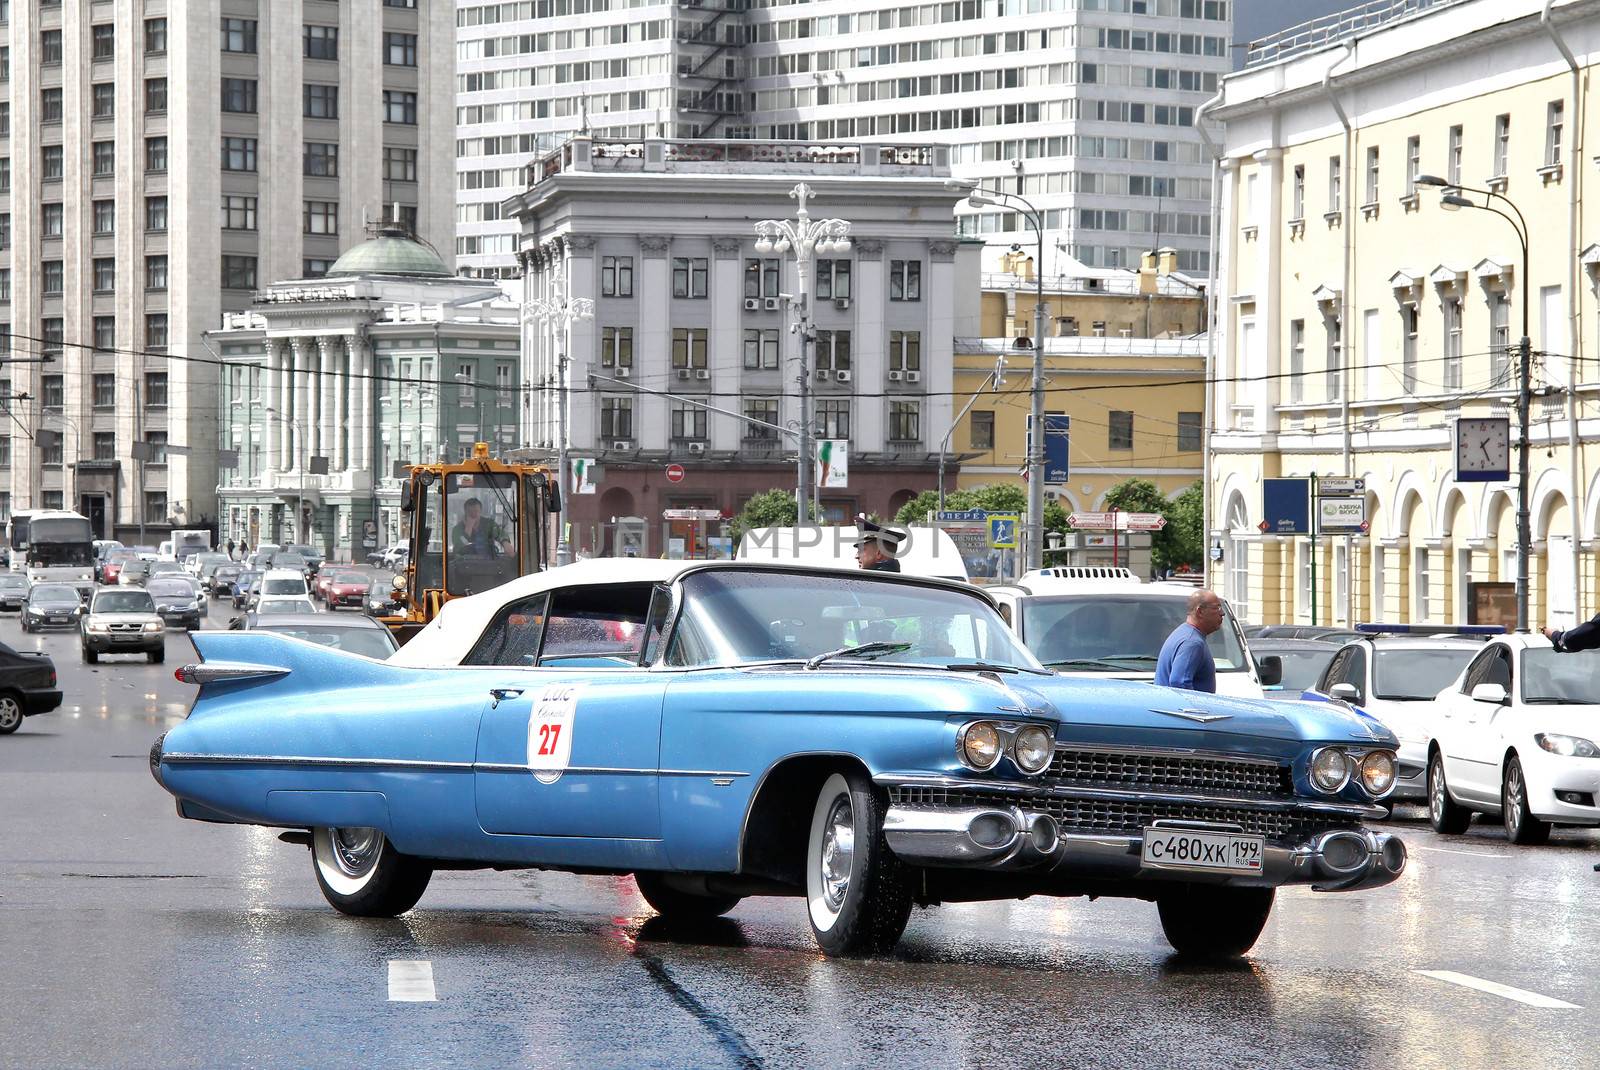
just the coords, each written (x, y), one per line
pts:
(958, 515)
(1057, 436)
(1003, 530)
(1286, 506)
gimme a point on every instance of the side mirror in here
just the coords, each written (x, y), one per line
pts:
(1493, 694)
(1345, 693)
(1271, 670)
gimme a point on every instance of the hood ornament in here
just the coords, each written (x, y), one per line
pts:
(1195, 715)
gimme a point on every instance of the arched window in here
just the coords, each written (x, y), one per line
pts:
(1237, 586)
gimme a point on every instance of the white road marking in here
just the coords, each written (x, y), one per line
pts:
(411, 981)
(1520, 995)
(1448, 851)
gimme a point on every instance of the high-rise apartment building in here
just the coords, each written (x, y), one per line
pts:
(160, 162)
(1085, 106)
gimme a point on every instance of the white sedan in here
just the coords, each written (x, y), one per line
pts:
(1515, 735)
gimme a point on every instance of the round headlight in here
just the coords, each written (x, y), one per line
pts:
(398, 584)
(980, 745)
(1377, 773)
(1032, 748)
(1330, 770)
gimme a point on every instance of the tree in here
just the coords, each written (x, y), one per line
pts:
(769, 509)
(1186, 520)
(1181, 542)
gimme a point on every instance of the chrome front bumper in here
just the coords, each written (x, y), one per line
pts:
(1005, 837)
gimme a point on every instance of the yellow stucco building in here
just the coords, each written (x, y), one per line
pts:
(1358, 318)
(1125, 361)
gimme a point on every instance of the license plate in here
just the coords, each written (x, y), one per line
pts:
(1192, 849)
(58, 620)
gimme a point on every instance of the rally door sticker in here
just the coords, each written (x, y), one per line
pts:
(550, 731)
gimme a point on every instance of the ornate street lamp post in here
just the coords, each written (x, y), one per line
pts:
(806, 237)
(558, 312)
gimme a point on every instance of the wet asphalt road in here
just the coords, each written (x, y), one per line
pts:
(131, 938)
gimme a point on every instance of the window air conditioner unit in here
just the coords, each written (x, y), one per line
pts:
(841, 303)
(702, 373)
(894, 377)
(823, 373)
(772, 304)
(683, 373)
(697, 447)
(913, 377)
(620, 444)
(843, 377)
(624, 373)
(752, 304)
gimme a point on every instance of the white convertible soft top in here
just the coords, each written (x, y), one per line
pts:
(450, 635)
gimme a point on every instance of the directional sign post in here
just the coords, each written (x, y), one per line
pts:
(1141, 521)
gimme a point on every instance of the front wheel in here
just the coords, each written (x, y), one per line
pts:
(1207, 921)
(675, 905)
(1444, 813)
(1521, 826)
(91, 657)
(361, 873)
(857, 891)
(10, 714)
(157, 657)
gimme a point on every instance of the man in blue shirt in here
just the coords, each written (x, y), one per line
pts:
(1185, 659)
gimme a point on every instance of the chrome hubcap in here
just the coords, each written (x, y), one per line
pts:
(356, 850)
(838, 852)
(1436, 797)
(10, 713)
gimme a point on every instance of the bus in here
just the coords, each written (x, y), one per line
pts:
(54, 546)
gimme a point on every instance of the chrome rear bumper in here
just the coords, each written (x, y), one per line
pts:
(1003, 837)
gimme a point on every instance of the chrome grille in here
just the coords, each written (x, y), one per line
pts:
(1130, 818)
(1167, 772)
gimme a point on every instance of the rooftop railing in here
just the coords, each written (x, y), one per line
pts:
(1318, 33)
(592, 155)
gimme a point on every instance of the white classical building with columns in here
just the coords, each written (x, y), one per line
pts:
(329, 382)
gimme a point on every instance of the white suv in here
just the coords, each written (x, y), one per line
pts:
(281, 583)
(1116, 627)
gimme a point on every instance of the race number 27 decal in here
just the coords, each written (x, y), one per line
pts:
(550, 726)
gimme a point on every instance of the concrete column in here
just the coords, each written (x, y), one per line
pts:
(300, 405)
(328, 350)
(361, 420)
(269, 426)
(1269, 303)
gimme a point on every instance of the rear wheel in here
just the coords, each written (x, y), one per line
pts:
(857, 892)
(1521, 826)
(1211, 922)
(361, 873)
(10, 714)
(676, 905)
(1444, 813)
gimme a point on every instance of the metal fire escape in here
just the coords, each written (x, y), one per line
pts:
(711, 39)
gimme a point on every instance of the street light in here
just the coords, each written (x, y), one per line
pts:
(559, 313)
(998, 378)
(1452, 199)
(978, 197)
(806, 237)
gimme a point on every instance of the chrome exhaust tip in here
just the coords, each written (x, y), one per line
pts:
(1044, 835)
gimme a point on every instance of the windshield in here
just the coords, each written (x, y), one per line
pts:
(287, 560)
(53, 592)
(355, 578)
(368, 642)
(732, 617)
(11, 580)
(124, 602)
(1117, 632)
(1301, 668)
(53, 554)
(168, 588)
(1552, 679)
(483, 530)
(1412, 675)
(158, 567)
(61, 529)
(286, 605)
(283, 585)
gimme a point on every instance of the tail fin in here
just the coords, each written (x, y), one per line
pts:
(234, 662)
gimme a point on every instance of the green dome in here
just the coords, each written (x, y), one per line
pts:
(392, 252)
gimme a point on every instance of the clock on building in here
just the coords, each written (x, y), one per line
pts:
(1483, 449)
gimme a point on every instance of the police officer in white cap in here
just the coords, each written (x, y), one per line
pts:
(876, 545)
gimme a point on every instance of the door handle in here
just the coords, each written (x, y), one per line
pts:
(500, 694)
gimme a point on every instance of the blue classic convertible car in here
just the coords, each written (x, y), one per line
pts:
(866, 742)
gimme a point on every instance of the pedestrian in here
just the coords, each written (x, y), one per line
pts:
(1185, 659)
(1585, 636)
(244, 551)
(230, 549)
(877, 545)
